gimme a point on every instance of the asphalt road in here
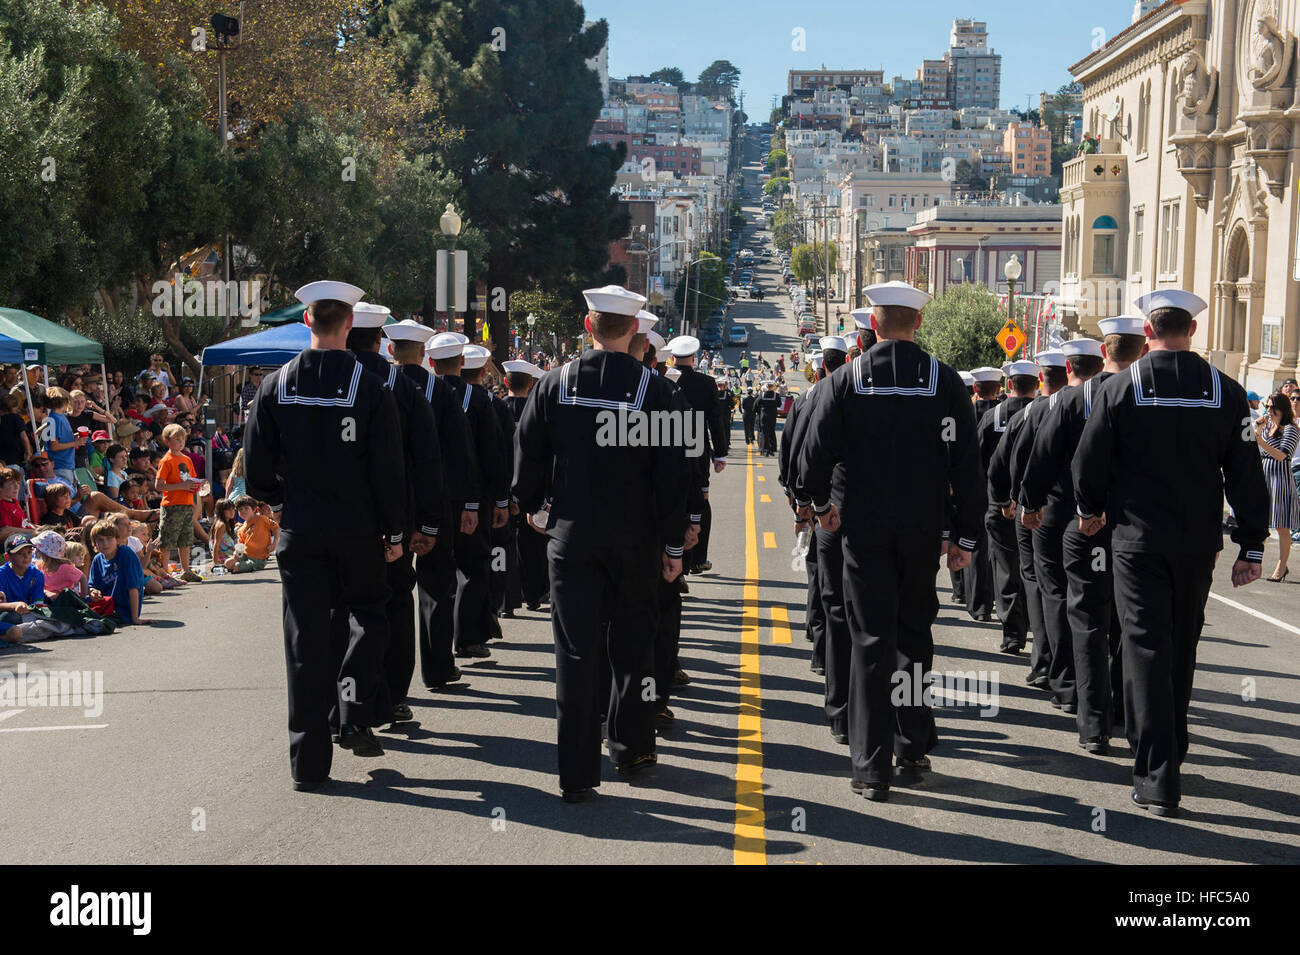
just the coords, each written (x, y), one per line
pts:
(187, 762)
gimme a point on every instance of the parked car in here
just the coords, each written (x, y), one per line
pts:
(738, 335)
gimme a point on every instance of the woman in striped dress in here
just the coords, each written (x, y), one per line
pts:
(1277, 437)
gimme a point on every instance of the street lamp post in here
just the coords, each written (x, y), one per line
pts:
(531, 320)
(1012, 272)
(449, 224)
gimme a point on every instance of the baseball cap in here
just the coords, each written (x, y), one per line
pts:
(17, 543)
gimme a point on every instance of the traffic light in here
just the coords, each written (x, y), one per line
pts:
(670, 331)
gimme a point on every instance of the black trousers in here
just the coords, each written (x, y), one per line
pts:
(1161, 602)
(978, 578)
(598, 589)
(839, 645)
(503, 578)
(331, 669)
(1040, 657)
(399, 660)
(534, 585)
(1009, 589)
(1094, 630)
(435, 575)
(891, 604)
(769, 436)
(700, 552)
(1053, 590)
(749, 428)
(667, 639)
(473, 568)
(957, 578)
(815, 616)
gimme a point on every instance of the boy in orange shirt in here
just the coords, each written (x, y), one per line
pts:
(177, 484)
(258, 535)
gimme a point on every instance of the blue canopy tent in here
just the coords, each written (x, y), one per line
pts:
(11, 351)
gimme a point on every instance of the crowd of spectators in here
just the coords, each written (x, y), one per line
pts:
(105, 498)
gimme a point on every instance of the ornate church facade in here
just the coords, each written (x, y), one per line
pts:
(1192, 179)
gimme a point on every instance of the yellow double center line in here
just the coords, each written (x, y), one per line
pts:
(750, 842)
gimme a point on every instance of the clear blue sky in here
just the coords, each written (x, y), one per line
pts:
(1037, 39)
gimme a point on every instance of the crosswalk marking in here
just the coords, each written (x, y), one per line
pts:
(769, 540)
(764, 499)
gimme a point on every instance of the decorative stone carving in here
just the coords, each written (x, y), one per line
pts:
(1270, 50)
(1197, 84)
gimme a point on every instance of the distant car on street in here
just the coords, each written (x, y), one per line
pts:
(738, 335)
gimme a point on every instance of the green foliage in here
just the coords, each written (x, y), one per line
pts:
(959, 328)
(671, 75)
(785, 228)
(557, 314)
(776, 116)
(808, 261)
(708, 288)
(777, 159)
(719, 78)
(776, 186)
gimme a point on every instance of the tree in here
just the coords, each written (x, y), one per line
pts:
(962, 174)
(776, 186)
(808, 261)
(785, 227)
(670, 75)
(708, 288)
(557, 315)
(777, 159)
(959, 327)
(776, 116)
(719, 78)
(513, 79)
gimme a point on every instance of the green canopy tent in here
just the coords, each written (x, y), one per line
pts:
(282, 316)
(48, 343)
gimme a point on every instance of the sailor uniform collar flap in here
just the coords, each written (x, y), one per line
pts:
(1176, 381)
(905, 372)
(325, 382)
(428, 388)
(602, 375)
(999, 417)
(469, 392)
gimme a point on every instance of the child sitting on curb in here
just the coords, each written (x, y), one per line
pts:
(115, 572)
(257, 537)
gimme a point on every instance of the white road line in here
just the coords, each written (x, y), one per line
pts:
(1255, 613)
(42, 729)
(5, 714)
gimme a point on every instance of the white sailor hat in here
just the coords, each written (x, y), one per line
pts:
(1170, 298)
(656, 340)
(464, 340)
(518, 364)
(833, 341)
(684, 346)
(445, 345)
(1077, 347)
(967, 378)
(662, 354)
(861, 317)
(613, 299)
(645, 321)
(986, 373)
(897, 293)
(672, 374)
(1054, 358)
(476, 356)
(1020, 368)
(816, 361)
(1123, 325)
(325, 289)
(851, 339)
(408, 330)
(368, 315)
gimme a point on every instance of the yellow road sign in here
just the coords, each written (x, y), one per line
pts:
(1011, 338)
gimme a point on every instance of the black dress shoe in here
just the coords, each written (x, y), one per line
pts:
(680, 678)
(840, 737)
(578, 795)
(533, 607)
(876, 792)
(665, 718)
(360, 741)
(1097, 744)
(702, 567)
(1012, 648)
(1037, 681)
(1056, 704)
(915, 768)
(818, 668)
(453, 677)
(985, 618)
(637, 766)
(1155, 807)
(509, 614)
(1070, 708)
(402, 714)
(476, 651)
(309, 785)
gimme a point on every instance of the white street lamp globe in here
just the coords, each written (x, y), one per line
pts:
(1012, 269)
(531, 319)
(450, 221)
